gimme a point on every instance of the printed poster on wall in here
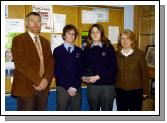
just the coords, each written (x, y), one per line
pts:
(102, 14)
(88, 17)
(113, 33)
(46, 14)
(56, 40)
(59, 21)
(13, 27)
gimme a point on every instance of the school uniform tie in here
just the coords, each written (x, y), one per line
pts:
(39, 49)
(69, 49)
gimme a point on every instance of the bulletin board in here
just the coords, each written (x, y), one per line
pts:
(73, 16)
(14, 12)
(116, 18)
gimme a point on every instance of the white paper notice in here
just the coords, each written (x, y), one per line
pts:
(88, 17)
(113, 33)
(14, 25)
(46, 14)
(102, 14)
(59, 21)
(56, 40)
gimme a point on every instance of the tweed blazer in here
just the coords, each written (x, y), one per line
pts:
(27, 64)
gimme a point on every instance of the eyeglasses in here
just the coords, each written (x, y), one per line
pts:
(95, 33)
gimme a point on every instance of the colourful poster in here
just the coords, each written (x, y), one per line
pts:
(46, 14)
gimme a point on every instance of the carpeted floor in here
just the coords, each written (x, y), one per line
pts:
(10, 102)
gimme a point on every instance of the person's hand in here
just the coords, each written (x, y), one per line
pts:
(72, 91)
(85, 79)
(37, 88)
(93, 79)
(44, 83)
(145, 96)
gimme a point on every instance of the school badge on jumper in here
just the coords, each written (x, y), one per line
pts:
(103, 53)
(77, 55)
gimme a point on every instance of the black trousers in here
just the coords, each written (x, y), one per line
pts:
(37, 102)
(66, 102)
(100, 96)
(129, 100)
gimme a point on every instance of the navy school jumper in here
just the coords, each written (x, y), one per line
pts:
(101, 61)
(68, 68)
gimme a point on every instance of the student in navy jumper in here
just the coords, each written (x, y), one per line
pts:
(100, 59)
(68, 71)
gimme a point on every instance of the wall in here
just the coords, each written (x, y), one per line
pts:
(116, 18)
(128, 16)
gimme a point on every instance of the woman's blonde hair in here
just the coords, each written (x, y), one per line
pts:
(131, 35)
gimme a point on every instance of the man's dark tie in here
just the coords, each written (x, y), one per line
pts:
(69, 49)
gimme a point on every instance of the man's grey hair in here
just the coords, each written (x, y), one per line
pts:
(32, 13)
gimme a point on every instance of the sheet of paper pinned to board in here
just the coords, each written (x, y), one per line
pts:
(113, 33)
(14, 25)
(56, 40)
(46, 14)
(59, 21)
(89, 17)
(102, 14)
